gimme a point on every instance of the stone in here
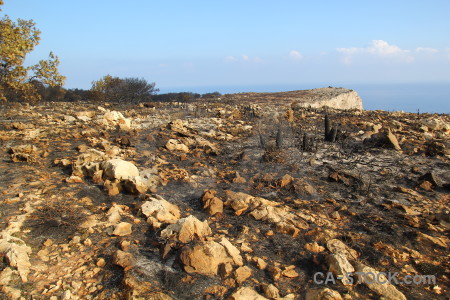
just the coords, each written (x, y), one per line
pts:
(74, 179)
(159, 211)
(204, 257)
(112, 187)
(6, 276)
(118, 169)
(314, 247)
(225, 270)
(232, 251)
(286, 180)
(176, 145)
(270, 291)
(187, 229)
(246, 293)
(337, 246)
(322, 294)
(122, 229)
(16, 253)
(241, 274)
(380, 284)
(135, 185)
(339, 265)
(212, 205)
(24, 153)
(217, 290)
(260, 263)
(124, 259)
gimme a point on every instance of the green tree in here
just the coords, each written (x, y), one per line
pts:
(17, 81)
(116, 89)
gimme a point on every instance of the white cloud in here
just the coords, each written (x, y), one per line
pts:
(378, 48)
(295, 55)
(230, 58)
(426, 50)
(243, 58)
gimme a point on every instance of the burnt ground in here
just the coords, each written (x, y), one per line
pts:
(391, 207)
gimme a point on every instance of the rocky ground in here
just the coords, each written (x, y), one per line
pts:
(220, 200)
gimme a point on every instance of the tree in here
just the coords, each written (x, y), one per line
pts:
(115, 89)
(17, 39)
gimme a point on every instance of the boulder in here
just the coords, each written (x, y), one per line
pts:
(122, 229)
(17, 254)
(119, 169)
(206, 257)
(159, 211)
(187, 229)
(340, 266)
(212, 204)
(322, 294)
(246, 293)
(124, 259)
(242, 274)
(176, 145)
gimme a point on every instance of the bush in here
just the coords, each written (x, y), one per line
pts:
(115, 89)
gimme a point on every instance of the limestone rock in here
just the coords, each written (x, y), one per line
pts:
(124, 259)
(270, 291)
(205, 257)
(24, 153)
(122, 229)
(322, 294)
(337, 246)
(339, 265)
(314, 247)
(241, 274)
(17, 254)
(112, 187)
(176, 145)
(119, 169)
(380, 284)
(212, 204)
(232, 251)
(135, 185)
(187, 229)
(158, 211)
(246, 293)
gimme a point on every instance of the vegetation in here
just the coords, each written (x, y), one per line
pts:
(18, 82)
(116, 89)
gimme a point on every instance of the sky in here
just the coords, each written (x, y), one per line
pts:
(181, 45)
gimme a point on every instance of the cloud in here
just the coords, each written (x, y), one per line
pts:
(243, 58)
(378, 48)
(295, 55)
(230, 58)
(426, 50)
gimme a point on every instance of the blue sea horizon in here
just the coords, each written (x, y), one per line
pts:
(408, 97)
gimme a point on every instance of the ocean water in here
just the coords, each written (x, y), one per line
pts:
(408, 97)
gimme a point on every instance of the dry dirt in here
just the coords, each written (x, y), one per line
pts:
(387, 209)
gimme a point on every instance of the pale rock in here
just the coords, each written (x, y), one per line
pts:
(6, 276)
(176, 145)
(225, 270)
(337, 246)
(260, 263)
(74, 179)
(158, 211)
(112, 187)
(124, 259)
(339, 265)
(246, 293)
(241, 274)
(322, 294)
(314, 247)
(338, 98)
(187, 229)
(380, 284)
(212, 204)
(135, 185)
(17, 253)
(270, 291)
(206, 257)
(119, 169)
(12, 293)
(232, 251)
(122, 229)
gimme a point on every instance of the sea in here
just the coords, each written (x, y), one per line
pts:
(407, 97)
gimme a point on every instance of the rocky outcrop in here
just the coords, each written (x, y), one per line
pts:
(337, 98)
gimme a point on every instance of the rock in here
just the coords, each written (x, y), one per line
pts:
(432, 178)
(225, 270)
(12, 293)
(159, 211)
(290, 272)
(135, 185)
(337, 98)
(6, 276)
(339, 265)
(430, 241)
(24, 153)
(241, 274)
(112, 187)
(260, 263)
(74, 179)
(176, 145)
(386, 289)
(232, 251)
(17, 254)
(286, 180)
(217, 290)
(205, 257)
(314, 247)
(124, 259)
(301, 187)
(212, 204)
(122, 229)
(270, 291)
(384, 139)
(187, 229)
(322, 294)
(119, 169)
(246, 293)
(337, 246)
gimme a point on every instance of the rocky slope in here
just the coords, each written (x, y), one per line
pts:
(221, 201)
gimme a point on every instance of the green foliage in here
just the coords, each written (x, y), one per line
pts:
(115, 89)
(17, 39)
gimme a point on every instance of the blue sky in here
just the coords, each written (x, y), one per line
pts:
(187, 44)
